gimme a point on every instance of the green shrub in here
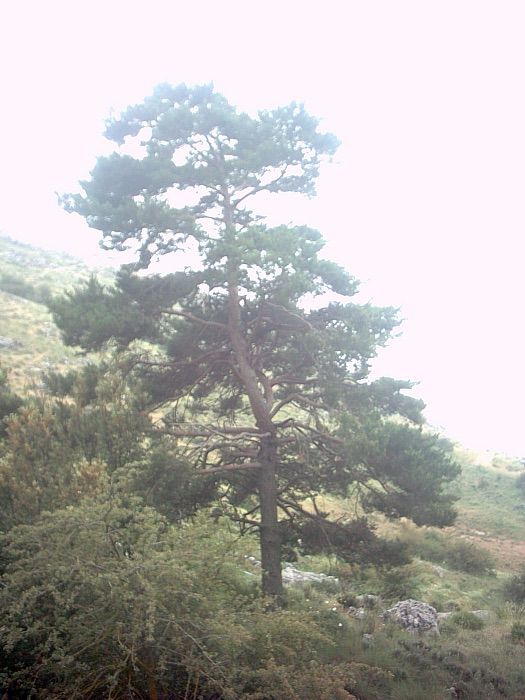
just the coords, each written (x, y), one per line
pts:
(399, 583)
(520, 482)
(432, 546)
(469, 558)
(17, 286)
(517, 632)
(13, 284)
(108, 599)
(467, 620)
(514, 589)
(483, 482)
(348, 600)
(511, 611)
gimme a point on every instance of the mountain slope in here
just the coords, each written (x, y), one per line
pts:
(29, 340)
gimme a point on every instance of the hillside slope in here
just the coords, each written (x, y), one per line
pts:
(29, 340)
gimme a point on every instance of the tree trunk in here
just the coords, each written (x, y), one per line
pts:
(270, 539)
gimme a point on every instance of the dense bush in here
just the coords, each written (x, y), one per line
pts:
(107, 598)
(517, 632)
(9, 401)
(399, 583)
(467, 557)
(458, 554)
(467, 620)
(431, 546)
(514, 589)
(13, 284)
(520, 482)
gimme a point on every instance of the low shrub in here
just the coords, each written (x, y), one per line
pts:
(514, 589)
(517, 632)
(13, 284)
(432, 546)
(467, 557)
(520, 482)
(399, 583)
(467, 621)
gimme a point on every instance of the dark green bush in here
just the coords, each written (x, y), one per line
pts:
(517, 632)
(469, 558)
(514, 589)
(13, 284)
(432, 546)
(467, 620)
(520, 482)
(107, 599)
(17, 286)
(399, 583)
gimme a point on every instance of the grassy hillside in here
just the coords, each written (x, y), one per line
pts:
(39, 267)
(492, 507)
(29, 340)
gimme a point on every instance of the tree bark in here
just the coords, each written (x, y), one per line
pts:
(270, 542)
(270, 537)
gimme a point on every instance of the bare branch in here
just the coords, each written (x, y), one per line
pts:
(205, 431)
(298, 322)
(260, 188)
(229, 468)
(290, 379)
(196, 319)
(298, 399)
(326, 437)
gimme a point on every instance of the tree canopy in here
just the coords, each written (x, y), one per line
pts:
(261, 383)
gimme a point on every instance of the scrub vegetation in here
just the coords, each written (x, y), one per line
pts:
(161, 432)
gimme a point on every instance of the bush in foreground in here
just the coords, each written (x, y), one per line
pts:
(108, 599)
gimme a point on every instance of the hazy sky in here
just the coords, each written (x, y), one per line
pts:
(425, 202)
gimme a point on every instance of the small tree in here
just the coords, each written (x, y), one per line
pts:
(264, 392)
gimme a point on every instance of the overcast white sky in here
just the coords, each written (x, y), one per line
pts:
(425, 200)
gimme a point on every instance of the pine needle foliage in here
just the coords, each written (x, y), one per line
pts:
(266, 391)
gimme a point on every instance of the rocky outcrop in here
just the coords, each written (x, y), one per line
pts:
(414, 616)
(367, 601)
(9, 343)
(293, 576)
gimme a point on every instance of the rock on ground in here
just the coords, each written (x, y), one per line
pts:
(293, 576)
(9, 342)
(414, 616)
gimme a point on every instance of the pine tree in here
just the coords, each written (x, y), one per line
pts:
(265, 392)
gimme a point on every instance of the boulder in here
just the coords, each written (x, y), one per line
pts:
(293, 576)
(414, 616)
(367, 600)
(9, 343)
(358, 613)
